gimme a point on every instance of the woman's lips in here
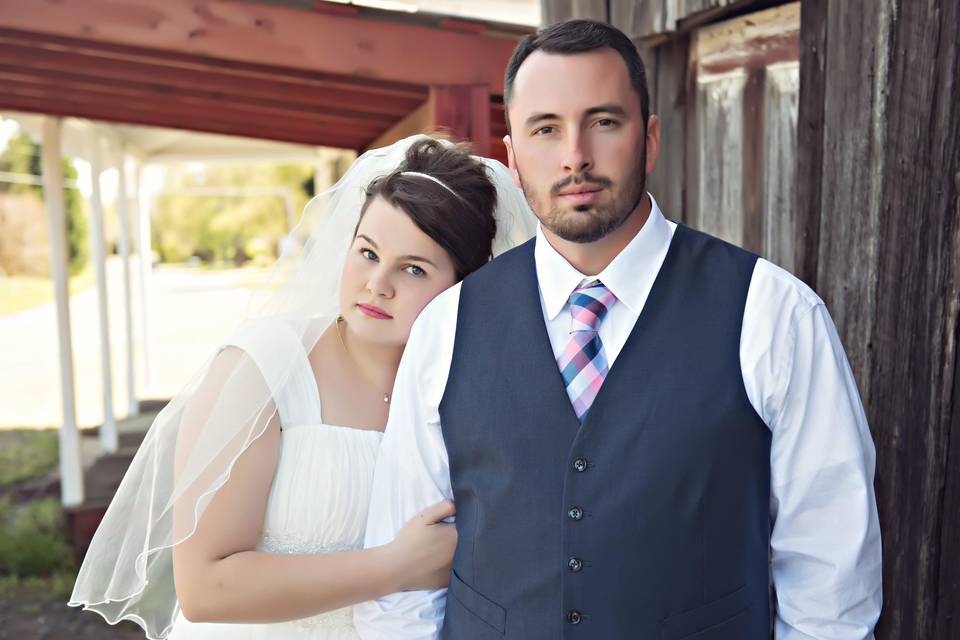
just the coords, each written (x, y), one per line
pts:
(374, 312)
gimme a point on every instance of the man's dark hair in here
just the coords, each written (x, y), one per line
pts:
(579, 36)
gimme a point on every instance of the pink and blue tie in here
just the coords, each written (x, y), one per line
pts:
(583, 363)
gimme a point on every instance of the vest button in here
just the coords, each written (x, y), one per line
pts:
(574, 617)
(575, 564)
(580, 465)
(575, 513)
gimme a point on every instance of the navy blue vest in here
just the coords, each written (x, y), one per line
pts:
(651, 520)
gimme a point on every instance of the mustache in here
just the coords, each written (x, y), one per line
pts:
(585, 178)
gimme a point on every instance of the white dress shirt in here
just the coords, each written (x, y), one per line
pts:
(825, 539)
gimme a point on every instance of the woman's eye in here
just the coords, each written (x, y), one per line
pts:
(414, 270)
(368, 254)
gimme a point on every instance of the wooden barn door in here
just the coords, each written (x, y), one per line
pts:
(742, 131)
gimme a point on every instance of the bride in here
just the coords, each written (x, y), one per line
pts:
(242, 514)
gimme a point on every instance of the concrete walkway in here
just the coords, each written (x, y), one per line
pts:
(192, 310)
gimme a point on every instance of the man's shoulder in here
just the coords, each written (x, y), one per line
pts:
(778, 291)
(505, 263)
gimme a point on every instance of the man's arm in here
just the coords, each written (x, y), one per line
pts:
(412, 469)
(825, 541)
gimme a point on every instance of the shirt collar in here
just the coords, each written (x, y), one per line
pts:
(558, 278)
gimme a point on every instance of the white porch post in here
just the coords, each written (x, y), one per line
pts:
(108, 431)
(123, 244)
(325, 170)
(71, 466)
(145, 259)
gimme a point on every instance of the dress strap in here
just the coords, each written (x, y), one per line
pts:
(278, 351)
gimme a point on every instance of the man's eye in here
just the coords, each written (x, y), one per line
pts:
(607, 122)
(368, 254)
(544, 131)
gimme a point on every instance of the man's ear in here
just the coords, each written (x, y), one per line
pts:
(512, 161)
(653, 143)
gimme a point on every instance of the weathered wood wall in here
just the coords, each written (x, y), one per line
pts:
(879, 209)
(743, 80)
(645, 18)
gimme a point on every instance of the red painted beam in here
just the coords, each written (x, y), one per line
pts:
(365, 99)
(346, 45)
(207, 122)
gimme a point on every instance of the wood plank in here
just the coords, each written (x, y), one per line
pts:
(356, 98)
(668, 74)
(168, 118)
(914, 344)
(261, 34)
(176, 67)
(720, 153)
(638, 19)
(125, 108)
(559, 10)
(779, 153)
(888, 265)
(752, 178)
(755, 41)
(147, 94)
(810, 115)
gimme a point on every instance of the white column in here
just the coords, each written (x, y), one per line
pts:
(71, 465)
(325, 169)
(145, 258)
(108, 431)
(123, 244)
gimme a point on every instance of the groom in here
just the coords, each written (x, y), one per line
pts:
(648, 433)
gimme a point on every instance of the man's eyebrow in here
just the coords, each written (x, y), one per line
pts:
(537, 117)
(368, 239)
(611, 108)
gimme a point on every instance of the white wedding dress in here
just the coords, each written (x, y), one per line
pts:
(320, 494)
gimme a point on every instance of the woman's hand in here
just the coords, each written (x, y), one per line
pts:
(422, 552)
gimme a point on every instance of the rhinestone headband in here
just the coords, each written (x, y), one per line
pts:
(429, 177)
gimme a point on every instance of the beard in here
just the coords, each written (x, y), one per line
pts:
(590, 222)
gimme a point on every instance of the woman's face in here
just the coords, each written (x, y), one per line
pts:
(393, 270)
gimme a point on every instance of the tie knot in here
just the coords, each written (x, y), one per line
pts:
(588, 304)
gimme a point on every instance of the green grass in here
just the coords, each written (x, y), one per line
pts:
(35, 559)
(27, 454)
(18, 293)
(57, 586)
(32, 540)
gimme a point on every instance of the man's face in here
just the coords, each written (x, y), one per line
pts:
(577, 145)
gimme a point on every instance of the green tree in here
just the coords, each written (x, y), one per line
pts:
(22, 156)
(227, 228)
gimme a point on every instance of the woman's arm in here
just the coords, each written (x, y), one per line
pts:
(221, 578)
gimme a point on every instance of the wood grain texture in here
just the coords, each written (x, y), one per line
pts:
(810, 113)
(888, 266)
(667, 72)
(361, 45)
(779, 157)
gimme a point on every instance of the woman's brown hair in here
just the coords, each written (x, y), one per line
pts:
(458, 217)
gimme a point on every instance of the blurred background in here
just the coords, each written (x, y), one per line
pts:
(153, 157)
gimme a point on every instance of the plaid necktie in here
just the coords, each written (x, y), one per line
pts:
(583, 363)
